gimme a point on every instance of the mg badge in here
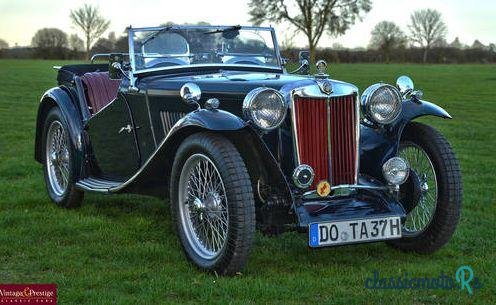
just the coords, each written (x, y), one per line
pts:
(323, 188)
(325, 86)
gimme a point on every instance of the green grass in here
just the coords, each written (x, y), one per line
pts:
(122, 250)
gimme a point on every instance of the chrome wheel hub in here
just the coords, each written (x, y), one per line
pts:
(203, 206)
(419, 218)
(57, 158)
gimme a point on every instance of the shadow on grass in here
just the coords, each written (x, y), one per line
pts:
(285, 253)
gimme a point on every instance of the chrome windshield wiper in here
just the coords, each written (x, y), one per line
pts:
(165, 29)
(225, 30)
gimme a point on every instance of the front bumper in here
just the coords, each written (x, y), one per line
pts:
(366, 200)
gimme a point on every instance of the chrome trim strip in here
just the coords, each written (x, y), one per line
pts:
(313, 194)
(295, 134)
(158, 28)
(329, 148)
(150, 119)
(276, 47)
(357, 136)
(162, 92)
(215, 65)
(97, 55)
(132, 60)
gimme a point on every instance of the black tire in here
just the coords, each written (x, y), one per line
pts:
(240, 201)
(70, 197)
(449, 190)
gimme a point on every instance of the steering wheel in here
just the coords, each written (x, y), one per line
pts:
(165, 62)
(245, 61)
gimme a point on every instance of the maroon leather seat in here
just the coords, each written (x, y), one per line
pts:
(100, 90)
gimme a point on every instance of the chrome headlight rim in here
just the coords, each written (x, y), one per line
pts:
(248, 110)
(296, 175)
(366, 103)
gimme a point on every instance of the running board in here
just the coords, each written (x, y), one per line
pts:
(97, 185)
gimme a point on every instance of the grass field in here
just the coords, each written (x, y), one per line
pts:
(122, 250)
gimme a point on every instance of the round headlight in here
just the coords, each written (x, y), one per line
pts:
(265, 107)
(396, 170)
(381, 103)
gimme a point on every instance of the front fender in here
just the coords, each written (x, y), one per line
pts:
(153, 177)
(378, 144)
(61, 98)
(412, 110)
(214, 120)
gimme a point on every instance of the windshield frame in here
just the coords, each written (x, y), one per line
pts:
(174, 69)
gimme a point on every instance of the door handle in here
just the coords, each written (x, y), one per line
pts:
(127, 128)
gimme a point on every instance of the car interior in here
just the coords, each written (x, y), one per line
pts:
(92, 79)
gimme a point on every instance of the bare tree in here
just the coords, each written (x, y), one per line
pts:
(427, 28)
(387, 36)
(492, 47)
(287, 42)
(49, 38)
(478, 45)
(456, 44)
(50, 43)
(75, 43)
(312, 17)
(3, 44)
(88, 19)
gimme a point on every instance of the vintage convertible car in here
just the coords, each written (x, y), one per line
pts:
(208, 117)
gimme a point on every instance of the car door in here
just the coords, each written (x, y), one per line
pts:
(113, 140)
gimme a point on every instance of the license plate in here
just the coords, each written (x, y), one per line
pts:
(353, 231)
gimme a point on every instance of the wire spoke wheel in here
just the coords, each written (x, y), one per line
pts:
(57, 158)
(203, 206)
(419, 218)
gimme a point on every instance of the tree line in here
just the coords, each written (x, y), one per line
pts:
(424, 42)
(53, 43)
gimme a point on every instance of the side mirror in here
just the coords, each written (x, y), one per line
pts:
(405, 85)
(115, 66)
(190, 93)
(304, 55)
(304, 58)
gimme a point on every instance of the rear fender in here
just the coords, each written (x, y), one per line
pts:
(61, 98)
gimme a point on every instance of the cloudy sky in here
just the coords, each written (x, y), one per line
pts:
(19, 19)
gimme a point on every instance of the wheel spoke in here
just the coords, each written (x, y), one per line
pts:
(204, 214)
(57, 158)
(421, 215)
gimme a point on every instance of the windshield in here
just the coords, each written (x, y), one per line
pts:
(179, 46)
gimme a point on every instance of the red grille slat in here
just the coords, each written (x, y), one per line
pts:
(312, 119)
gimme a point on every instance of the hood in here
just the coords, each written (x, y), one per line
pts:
(238, 83)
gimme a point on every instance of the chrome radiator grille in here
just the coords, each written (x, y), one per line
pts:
(326, 137)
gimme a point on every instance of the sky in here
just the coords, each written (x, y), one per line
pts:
(20, 19)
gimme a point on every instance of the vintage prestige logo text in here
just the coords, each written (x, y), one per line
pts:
(20, 294)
